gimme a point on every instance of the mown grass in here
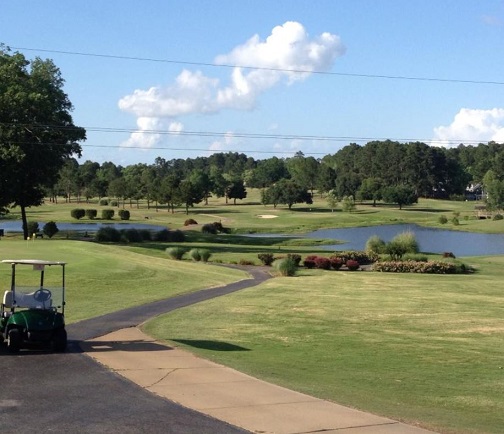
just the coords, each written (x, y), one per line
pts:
(105, 278)
(245, 216)
(424, 349)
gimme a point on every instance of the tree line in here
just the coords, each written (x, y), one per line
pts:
(379, 170)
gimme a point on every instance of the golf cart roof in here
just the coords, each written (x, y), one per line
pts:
(32, 262)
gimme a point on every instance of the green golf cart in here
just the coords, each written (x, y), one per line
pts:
(33, 316)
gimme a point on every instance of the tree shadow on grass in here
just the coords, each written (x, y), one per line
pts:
(210, 345)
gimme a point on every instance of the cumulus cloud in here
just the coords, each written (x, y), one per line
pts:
(470, 125)
(226, 144)
(287, 55)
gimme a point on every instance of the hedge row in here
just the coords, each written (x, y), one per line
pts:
(112, 235)
(430, 267)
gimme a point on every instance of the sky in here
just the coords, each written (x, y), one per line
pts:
(186, 78)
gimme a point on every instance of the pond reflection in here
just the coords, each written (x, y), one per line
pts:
(430, 240)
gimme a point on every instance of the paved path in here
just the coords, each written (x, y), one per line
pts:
(229, 395)
(215, 390)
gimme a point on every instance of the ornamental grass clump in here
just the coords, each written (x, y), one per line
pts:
(401, 244)
(176, 253)
(286, 266)
(375, 245)
(195, 255)
(205, 254)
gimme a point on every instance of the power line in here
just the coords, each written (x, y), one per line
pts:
(244, 135)
(298, 71)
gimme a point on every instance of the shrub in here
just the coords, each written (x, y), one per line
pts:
(132, 235)
(78, 213)
(295, 257)
(104, 202)
(50, 229)
(401, 244)
(448, 255)
(442, 219)
(245, 262)
(431, 267)
(205, 254)
(124, 214)
(309, 263)
(336, 262)
(91, 214)
(497, 217)
(189, 222)
(177, 236)
(352, 265)
(348, 204)
(322, 263)
(455, 221)
(146, 234)
(358, 255)
(176, 253)
(415, 257)
(209, 228)
(213, 228)
(163, 235)
(114, 203)
(33, 228)
(266, 258)
(108, 234)
(195, 255)
(286, 266)
(375, 245)
(107, 214)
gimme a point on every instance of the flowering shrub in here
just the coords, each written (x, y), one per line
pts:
(352, 265)
(266, 258)
(322, 263)
(357, 255)
(431, 267)
(336, 262)
(309, 263)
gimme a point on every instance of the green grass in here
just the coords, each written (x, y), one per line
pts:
(104, 278)
(424, 349)
(419, 348)
(245, 216)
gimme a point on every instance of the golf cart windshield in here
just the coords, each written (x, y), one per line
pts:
(34, 287)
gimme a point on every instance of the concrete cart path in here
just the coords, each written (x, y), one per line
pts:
(226, 394)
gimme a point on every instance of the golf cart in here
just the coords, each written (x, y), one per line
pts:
(33, 315)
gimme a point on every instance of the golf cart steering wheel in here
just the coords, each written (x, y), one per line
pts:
(42, 295)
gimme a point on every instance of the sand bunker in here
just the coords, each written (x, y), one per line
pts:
(267, 216)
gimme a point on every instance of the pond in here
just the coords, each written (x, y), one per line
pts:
(429, 239)
(16, 226)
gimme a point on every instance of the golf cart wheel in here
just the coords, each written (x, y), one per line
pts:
(13, 340)
(59, 340)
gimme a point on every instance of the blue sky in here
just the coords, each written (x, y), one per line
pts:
(137, 110)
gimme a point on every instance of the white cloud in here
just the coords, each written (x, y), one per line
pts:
(143, 137)
(176, 127)
(280, 58)
(225, 144)
(471, 125)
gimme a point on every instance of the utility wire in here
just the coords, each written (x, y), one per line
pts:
(236, 135)
(298, 71)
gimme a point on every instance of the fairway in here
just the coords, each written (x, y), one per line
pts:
(424, 349)
(105, 278)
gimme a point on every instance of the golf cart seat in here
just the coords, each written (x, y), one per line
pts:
(33, 300)
(7, 299)
(6, 303)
